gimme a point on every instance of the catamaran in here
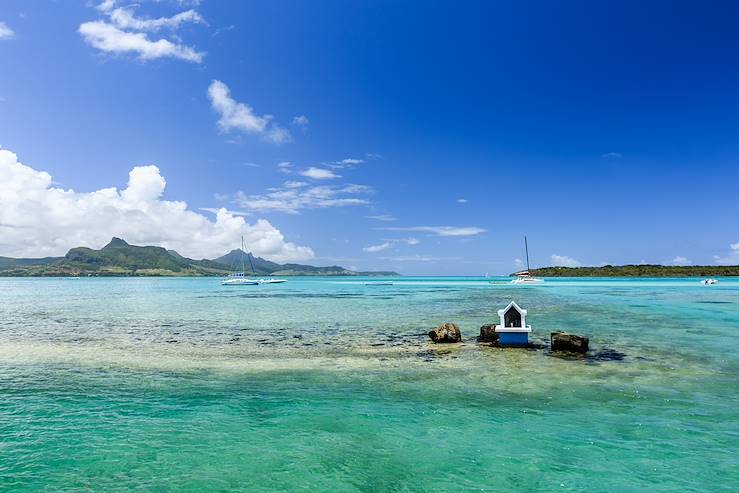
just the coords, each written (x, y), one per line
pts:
(239, 278)
(524, 277)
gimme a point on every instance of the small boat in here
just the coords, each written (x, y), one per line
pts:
(239, 278)
(272, 281)
(379, 283)
(525, 277)
(709, 281)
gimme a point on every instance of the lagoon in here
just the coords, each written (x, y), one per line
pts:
(326, 384)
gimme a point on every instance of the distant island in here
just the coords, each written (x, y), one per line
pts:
(118, 258)
(645, 270)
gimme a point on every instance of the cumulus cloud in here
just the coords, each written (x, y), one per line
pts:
(108, 38)
(680, 260)
(295, 196)
(126, 33)
(38, 219)
(319, 173)
(6, 32)
(732, 258)
(234, 115)
(564, 261)
(441, 230)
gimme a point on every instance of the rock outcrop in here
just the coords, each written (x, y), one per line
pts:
(562, 341)
(488, 334)
(446, 333)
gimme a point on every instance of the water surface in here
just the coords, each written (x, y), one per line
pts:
(327, 384)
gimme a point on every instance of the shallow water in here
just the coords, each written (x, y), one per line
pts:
(326, 384)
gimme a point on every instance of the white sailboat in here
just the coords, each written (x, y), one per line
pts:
(239, 278)
(524, 277)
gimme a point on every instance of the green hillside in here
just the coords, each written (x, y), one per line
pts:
(118, 258)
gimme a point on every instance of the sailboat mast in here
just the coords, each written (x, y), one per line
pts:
(242, 255)
(526, 243)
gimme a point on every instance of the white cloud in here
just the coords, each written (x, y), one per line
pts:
(461, 201)
(124, 18)
(345, 163)
(241, 116)
(6, 32)
(383, 217)
(106, 6)
(38, 219)
(441, 230)
(301, 121)
(291, 198)
(108, 38)
(679, 260)
(564, 261)
(518, 263)
(377, 248)
(319, 173)
(612, 155)
(388, 243)
(285, 167)
(732, 258)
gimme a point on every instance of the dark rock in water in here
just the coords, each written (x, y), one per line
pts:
(488, 334)
(562, 341)
(446, 333)
(607, 354)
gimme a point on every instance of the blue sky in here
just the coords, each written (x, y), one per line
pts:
(422, 137)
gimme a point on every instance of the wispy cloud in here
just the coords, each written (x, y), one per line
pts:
(292, 197)
(383, 217)
(285, 167)
(5, 32)
(344, 163)
(241, 116)
(461, 201)
(732, 258)
(126, 33)
(564, 261)
(377, 248)
(301, 122)
(680, 260)
(612, 155)
(388, 243)
(440, 230)
(319, 173)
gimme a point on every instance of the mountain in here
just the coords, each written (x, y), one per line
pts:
(639, 271)
(118, 258)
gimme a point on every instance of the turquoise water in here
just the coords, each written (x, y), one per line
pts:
(326, 384)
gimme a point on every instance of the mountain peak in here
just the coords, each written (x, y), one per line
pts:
(116, 242)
